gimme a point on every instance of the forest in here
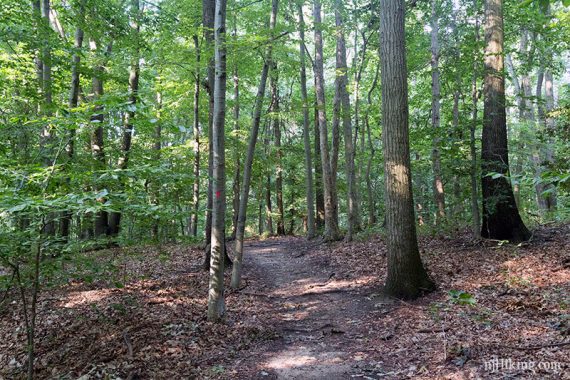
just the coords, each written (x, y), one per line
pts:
(273, 189)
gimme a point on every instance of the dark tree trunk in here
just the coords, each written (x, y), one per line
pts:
(501, 219)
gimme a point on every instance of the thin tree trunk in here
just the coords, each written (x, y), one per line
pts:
(407, 277)
(97, 139)
(548, 193)
(438, 191)
(331, 221)
(349, 151)
(157, 147)
(236, 272)
(501, 219)
(319, 194)
(276, 118)
(196, 148)
(73, 101)
(476, 218)
(47, 134)
(208, 11)
(306, 131)
(134, 75)
(369, 190)
(216, 303)
(237, 167)
(268, 203)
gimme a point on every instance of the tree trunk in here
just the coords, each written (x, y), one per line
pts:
(208, 11)
(236, 272)
(97, 138)
(349, 151)
(155, 192)
(501, 219)
(319, 194)
(331, 221)
(47, 134)
(268, 203)
(216, 304)
(407, 277)
(276, 118)
(73, 101)
(476, 218)
(237, 167)
(115, 217)
(438, 191)
(369, 190)
(196, 132)
(548, 193)
(306, 131)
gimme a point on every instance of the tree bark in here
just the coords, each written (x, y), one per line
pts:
(268, 203)
(237, 167)
(236, 272)
(134, 75)
(331, 214)
(371, 200)
(349, 151)
(501, 219)
(276, 118)
(309, 188)
(438, 191)
(196, 148)
(97, 137)
(72, 103)
(319, 194)
(208, 11)
(216, 303)
(475, 216)
(155, 185)
(407, 277)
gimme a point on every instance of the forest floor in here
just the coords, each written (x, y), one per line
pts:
(306, 310)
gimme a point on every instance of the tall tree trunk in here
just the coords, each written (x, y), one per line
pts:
(276, 118)
(134, 75)
(208, 11)
(268, 203)
(237, 167)
(97, 138)
(438, 191)
(407, 277)
(216, 304)
(349, 151)
(306, 131)
(72, 103)
(331, 214)
(475, 216)
(501, 219)
(236, 272)
(196, 147)
(548, 193)
(155, 192)
(47, 135)
(371, 200)
(319, 193)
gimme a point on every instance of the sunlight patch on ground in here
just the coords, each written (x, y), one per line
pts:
(85, 297)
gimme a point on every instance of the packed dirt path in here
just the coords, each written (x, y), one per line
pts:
(318, 316)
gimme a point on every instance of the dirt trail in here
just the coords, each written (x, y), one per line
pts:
(317, 314)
